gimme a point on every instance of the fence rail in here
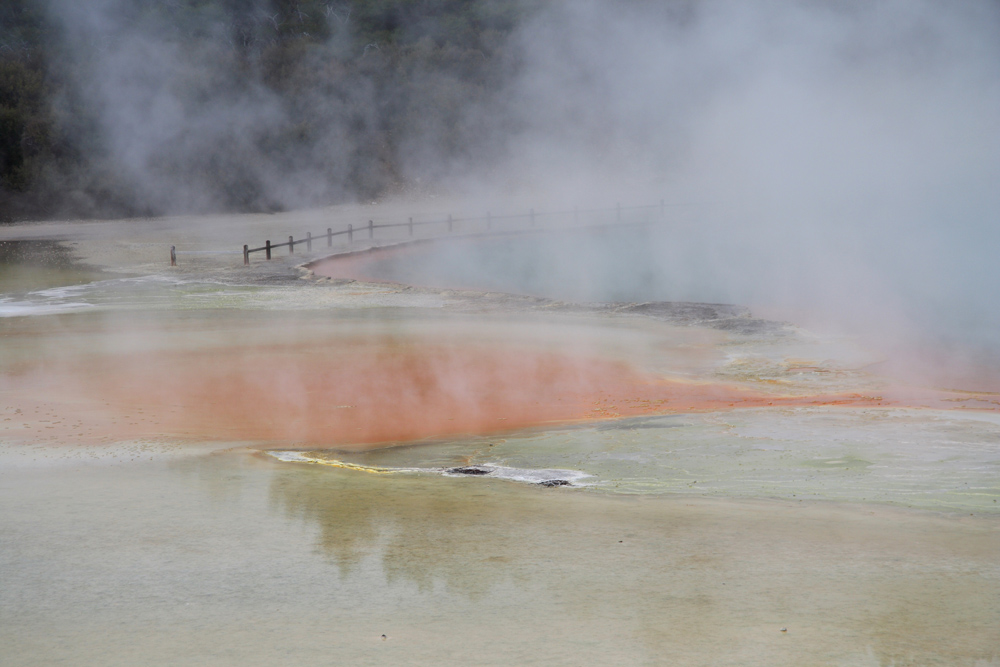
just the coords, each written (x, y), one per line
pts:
(447, 224)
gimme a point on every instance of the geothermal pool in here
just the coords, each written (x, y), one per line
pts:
(202, 465)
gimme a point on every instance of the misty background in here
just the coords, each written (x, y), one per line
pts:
(844, 155)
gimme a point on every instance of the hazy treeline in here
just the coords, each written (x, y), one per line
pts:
(132, 107)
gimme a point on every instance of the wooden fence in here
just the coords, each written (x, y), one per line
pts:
(446, 225)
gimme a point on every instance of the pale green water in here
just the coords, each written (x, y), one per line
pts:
(938, 460)
(871, 536)
(233, 558)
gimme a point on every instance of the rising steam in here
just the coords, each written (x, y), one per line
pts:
(844, 155)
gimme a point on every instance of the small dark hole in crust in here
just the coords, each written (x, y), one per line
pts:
(469, 471)
(555, 482)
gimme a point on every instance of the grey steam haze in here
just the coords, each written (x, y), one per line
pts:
(844, 155)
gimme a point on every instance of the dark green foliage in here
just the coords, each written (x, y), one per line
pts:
(25, 122)
(358, 85)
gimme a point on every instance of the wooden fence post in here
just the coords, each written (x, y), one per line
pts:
(371, 232)
(173, 256)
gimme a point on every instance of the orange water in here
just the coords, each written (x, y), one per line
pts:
(359, 392)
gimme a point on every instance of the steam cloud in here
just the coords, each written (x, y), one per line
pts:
(846, 154)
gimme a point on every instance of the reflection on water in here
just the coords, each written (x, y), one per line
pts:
(238, 558)
(680, 582)
(463, 537)
(915, 458)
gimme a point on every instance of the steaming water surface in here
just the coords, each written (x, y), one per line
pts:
(869, 534)
(715, 257)
(181, 477)
(611, 264)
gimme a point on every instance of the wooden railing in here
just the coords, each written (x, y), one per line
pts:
(447, 225)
